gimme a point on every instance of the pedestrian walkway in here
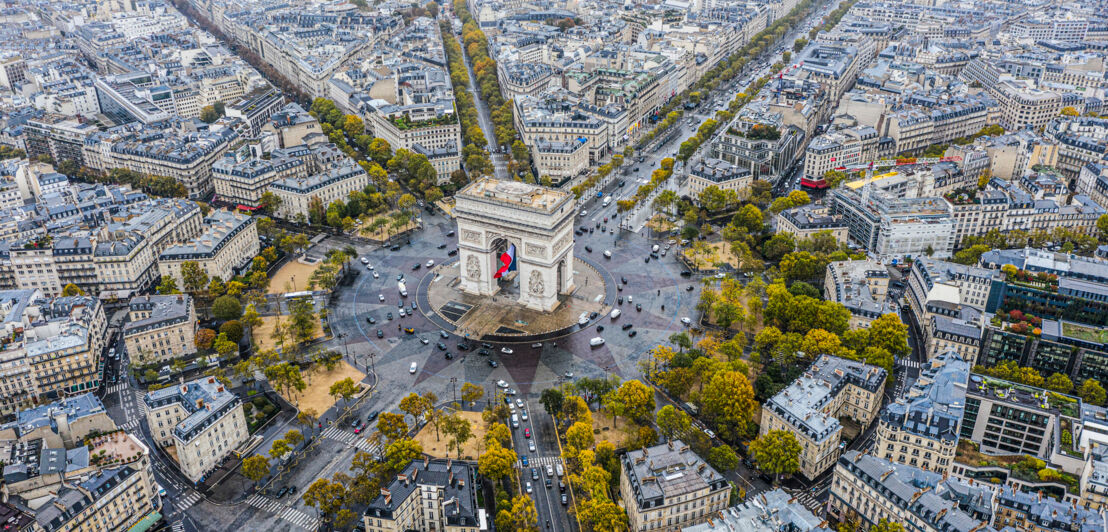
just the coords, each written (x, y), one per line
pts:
(349, 438)
(540, 461)
(908, 363)
(179, 526)
(810, 502)
(300, 519)
(141, 404)
(130, 425)
(288, 513)
(186, 500)
(116, 388)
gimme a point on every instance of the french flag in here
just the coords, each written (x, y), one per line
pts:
(508, 259)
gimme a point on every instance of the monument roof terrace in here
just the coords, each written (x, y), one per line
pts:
(517, 194)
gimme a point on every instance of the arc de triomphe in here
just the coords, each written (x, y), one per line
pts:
(492, 215)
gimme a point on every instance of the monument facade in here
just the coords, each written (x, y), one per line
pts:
(524, 231)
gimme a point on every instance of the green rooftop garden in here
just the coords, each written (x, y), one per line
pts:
(1081, 332)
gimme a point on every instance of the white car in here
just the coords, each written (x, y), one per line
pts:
(686, 320)
(519, 403)
(413, 367)
(375, 276)
(531, 445)
(365, 260)
(523, 415)
(381, 297)
(430, 263)
(501, 384)
(528, 487)
(506, 350)
(721, 275)
(583, 213)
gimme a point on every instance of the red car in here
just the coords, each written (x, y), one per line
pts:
(358, 430)
(526, 433)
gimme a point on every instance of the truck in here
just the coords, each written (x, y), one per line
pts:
(607, 201)
(403, 288)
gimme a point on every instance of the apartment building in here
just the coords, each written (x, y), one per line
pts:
(227, 245)
(921, 428)
(558, 117)
(58, 136)
(116, 498)
(1092, 181)
(811, 405)
(840, 148)
(1081, 140)
(873, 489)
(427, 495)
(709, 172)
(333, 184)
(859, 285)
(667, 487)
(560, 160)
(759, 141)
(947, 300)
(769, 511)
(241, 177)
(891, 227)
(256, 109)
(1008, 418)
(201, 419)
(160, 328)
(1032, 512)
(809, 220)
(292, 125)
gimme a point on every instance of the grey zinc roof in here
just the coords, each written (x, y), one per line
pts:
(205, 399)
(933, 407)
(163, 309)
(667, 471)
(453, 478)
(801, 404)
(771, 511)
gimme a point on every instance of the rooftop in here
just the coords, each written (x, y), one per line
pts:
(519, 194)
(660, 474)
(803, 403)
(933, 407)
(770, 511)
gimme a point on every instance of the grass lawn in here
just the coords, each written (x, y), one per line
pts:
(382, 233)
(1088, 334)
(319, 381)
(617, 432)
(440, 448)
(713, 255)
(262, 333)
(967, 454)
(292, 277)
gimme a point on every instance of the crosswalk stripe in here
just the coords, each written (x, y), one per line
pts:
(187, 500)
(179, 526)
(540, 461)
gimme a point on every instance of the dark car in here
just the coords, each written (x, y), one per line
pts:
(638, 307)
(593, 315)
(588, 248)
(416, 267)
(623, 279)
(484, 352)
(443, 334)
(400, 277)
(486, 345)
(565, 500)
(380, 333)
(413, 305)
(620, 299)
(689, 288)
(441, 346)
(647, 259)
(493, 363)
(632, 333)
(686, 273)
(549, 484)
(442, 246)
(372, 416)
(621, 183)
(451, 233)
(389, 316)
(452, 252)
(370, 320)
(627, 326)
(395, 247)
(449, 355)
(599, 328)
(463, 346)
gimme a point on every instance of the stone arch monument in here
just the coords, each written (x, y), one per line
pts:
(492, 216)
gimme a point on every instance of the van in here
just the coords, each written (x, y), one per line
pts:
(607, 201)
(615, 313)
(596, 342)
(559, 470)
(515, 421)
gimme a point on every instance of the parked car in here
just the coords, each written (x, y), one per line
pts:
(380, 333)
(412, 369)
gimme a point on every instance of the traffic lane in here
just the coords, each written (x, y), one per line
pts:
(542, 430)
(548, 513)
(526, 476)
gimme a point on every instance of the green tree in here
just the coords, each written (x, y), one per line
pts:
(72, 290)
(255, 468)
(392, 427)
(672, 422)
(459, 430)
(728, 401)
(168, 285)
(496, 462)
(723, 458)
(776, 452)
(884, 525)
(223, 345)
(326, 496)
(208, 114)
(552, 401)
(1059, 383)
(603, 515)
(294, 437)
(344, 389)
(749, 217)
(1102, 227)
(401, 452)
(233, 329)
(194, 278)
(279, 448)
(303, 321)
(226, 308)
(471, 393)
(632, 399)
(1092, 392)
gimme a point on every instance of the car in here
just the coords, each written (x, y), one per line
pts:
(449, 355)
(523, 415)
(588, 249)
(372, 416)
(526, 433)
(599, 328)
(686, 273)
(577, 232)
(623, 279)
(370, 320)
(689, 288)
(593, 315)
(413, 306)
(536, 345)
(721, 275)
(442, 246)
(161, 491)
(364, 260)
(510, 391)
(612, 231)
(493, 363)
(486, 345)
(561, 487)
(484, 352)
(376, 276)
(400, 277)
(549, 470)
(402, 312)
(647, 259)
(686, 320)
(452, 252)
(627, 326)
(443, 334)
(424, 341)
(531, 445)
(380, 333)
(519, 403)
(632, 334)
(663, 253)
(358, 429)
(395, 247)
(441, 346)
(523, 460)
(417, 266)
(584, 212)
(430, 263)
(462, 346)
(534, 473)
(501, 384)
(620, 299)
(389, 316)
(412, 369)
(381, 297)
(409, 330)
(568, 375)
(506, 350)
(638, 307)
(354, 424)
(565, 500)
(549, 484)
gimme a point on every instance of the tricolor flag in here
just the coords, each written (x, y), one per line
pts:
(508, 259)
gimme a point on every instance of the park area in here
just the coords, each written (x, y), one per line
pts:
(319, 380)
(374, 229)
(660, 224)
(617, 432)
(705, 256)
(263, 333)
(292, 277)
(440, 448)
